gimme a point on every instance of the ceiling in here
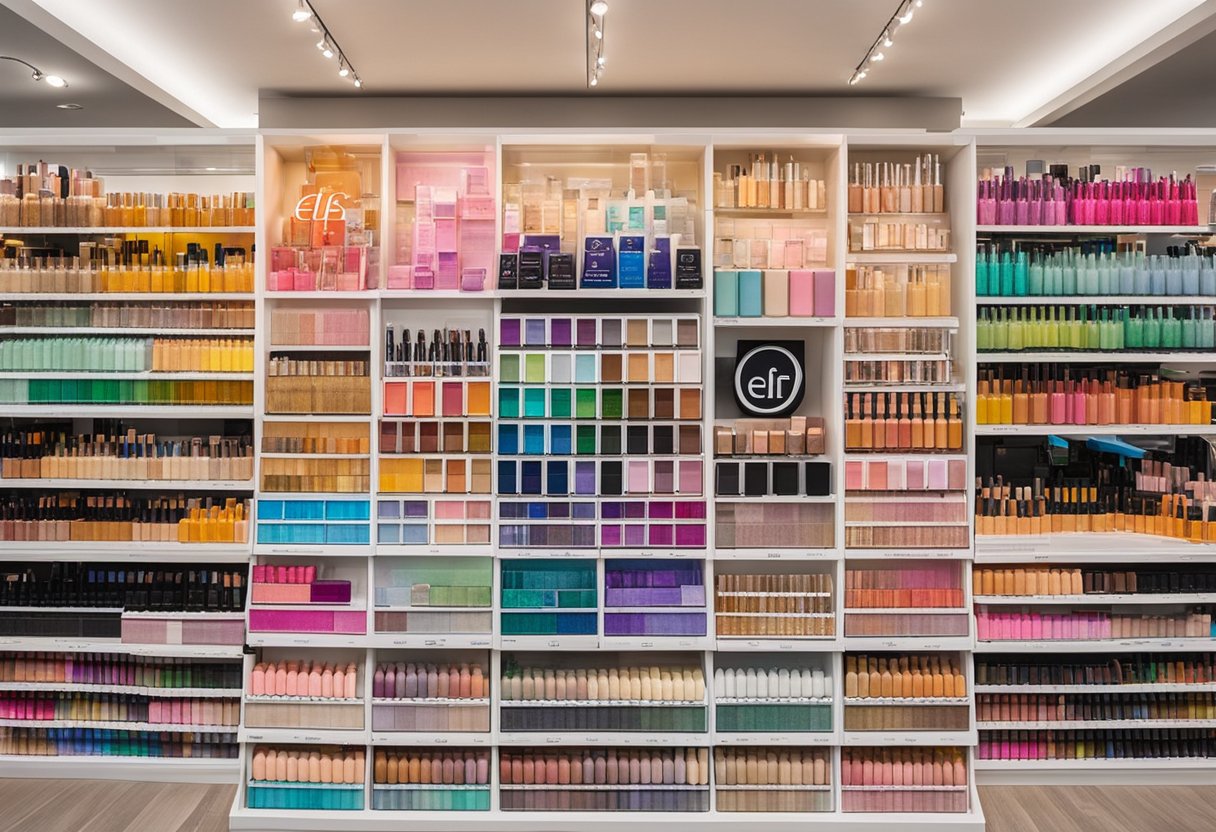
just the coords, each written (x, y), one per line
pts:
(106, 101)
(135, 62)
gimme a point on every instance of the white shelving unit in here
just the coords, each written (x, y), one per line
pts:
(277, 152)
(81, 150)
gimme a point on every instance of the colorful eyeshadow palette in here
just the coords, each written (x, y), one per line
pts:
(606, 524)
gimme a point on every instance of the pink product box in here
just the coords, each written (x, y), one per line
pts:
(634, 535)
(477, 208)
(308, 621)
(802, 294)
(825, 292)
(400, 277)
(330, 592)
(182, 631)
(280, 593)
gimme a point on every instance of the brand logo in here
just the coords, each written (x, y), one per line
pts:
(321, 208)
(769, 378)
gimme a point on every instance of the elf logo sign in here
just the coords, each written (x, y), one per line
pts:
(769, 377)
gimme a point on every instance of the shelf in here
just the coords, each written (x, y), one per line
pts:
(901, 387)
(811, 738)
(318, 417)
(693, 643)
(70, 645)
(136, 690)
(318, 348)
(645, 739)
(1090, 547)
(164, 728)
(115, 375)
(306, 639)
(794, 213)
(1157, 687)
(243, 819)
(872, 643)
(1096, 598)
(414, 641)
(897, 258)
(776, 498)
(1096, 724)
(778, 644)
(143, 769)
(1140, 645)
(326, 736)
(777, 554)
(124, 551)
(886, 738)
(453, 550)
(130, 229)
(888, 701)
(1100, 230)
(1096, 357)
(789, 323)
(129, 485)
(436, 294)
(122, 330)
(126, 296)
(127, 411)
(453, 738)
(1095, 430)
(907, 554)
(1100, 300)
(364, 294)
(600, 294)
(946, 323)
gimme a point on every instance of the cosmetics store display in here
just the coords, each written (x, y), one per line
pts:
(905, 599)
(578, 695)
(424, 780)
(772, 780)
(445, 220)
(770, 695)
(605, 218)
(311, 693)
(904, 780)
(326, 221)
(429, 695)
(324, 596)
(434, 596)
(917, 693)
(604, 780)
(1091, 195)
(306, 777)
(1094, 269)
(123, 271)
(44, 194)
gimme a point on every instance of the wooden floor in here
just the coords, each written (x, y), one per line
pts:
(103, 806)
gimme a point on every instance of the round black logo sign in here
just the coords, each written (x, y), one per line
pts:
(769, 381)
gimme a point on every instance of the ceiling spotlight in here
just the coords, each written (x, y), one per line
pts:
(877, 56)
(886, 40)
(343, 69)
(38, 74)
(302, 12)
(69, 106)
(599, 8)
(595, 81)
(326, 49)
(358, 81)
(600, 60)
(599, 35)
(906, 17)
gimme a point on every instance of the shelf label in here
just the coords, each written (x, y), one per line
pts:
(553, 740)
(646, 644)
(441, 740)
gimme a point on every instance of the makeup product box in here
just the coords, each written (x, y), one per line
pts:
(825, 292)
(658, 273)
(631, 262)
(531, 268)
(561, 271)
(688, 268)
(751, 294)
(508, 271)
(726, 293)
(599, 263)
(776, 293)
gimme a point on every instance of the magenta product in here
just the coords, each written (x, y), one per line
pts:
(825, 293)
(330, 592)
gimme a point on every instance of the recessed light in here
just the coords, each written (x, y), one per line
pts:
(70, 106)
